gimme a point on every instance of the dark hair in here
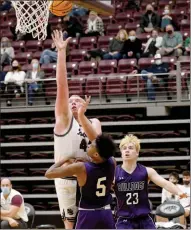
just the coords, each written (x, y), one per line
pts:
(186, 173)
(174, 174)
(105, 146)
(19, 66)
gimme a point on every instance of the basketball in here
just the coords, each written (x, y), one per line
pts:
(60, 7)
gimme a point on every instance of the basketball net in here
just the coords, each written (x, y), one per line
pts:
(32, 17)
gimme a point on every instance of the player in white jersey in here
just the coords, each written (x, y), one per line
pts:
(72, 133)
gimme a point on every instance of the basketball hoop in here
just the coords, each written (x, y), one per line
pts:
(32, 17)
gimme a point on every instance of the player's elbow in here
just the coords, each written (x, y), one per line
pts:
(49, 174)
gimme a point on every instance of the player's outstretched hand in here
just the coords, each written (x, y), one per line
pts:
(59, 42)
(84, 105)
(183, 195)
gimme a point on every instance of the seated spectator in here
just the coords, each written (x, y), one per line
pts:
(14, 80)
(95, 25)
(167, 19)
(73, 26)
(149, 21)
(13, 213)
(78, 11)
(50, 55)
(32, 76)
(174, 178)
(2, 78)
(152, 45)
(5, 5)
(185, 202)
(152, 80)
(132, 47)
(172, 43)
(187, 46)
(116, 45)
(7, 51)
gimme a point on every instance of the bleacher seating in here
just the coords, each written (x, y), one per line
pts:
(27, 135)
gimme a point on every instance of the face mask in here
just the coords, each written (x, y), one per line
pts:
(5, 190)
(158, 62)
(15, 67)
(4, 44)
(185, 182)
(166, 11)
(169, 31)
(35, 65)
(149, 11)
(132, 38)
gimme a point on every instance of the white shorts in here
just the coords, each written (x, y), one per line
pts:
(66, 192)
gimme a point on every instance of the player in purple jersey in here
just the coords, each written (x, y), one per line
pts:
(131, 188)
(95, 180)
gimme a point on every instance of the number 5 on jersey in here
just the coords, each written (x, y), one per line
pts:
(101, 187)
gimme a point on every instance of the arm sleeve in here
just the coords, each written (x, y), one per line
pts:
(142, 22)
(7, 76)
(180, 40)
(110, 45)
(17, 200)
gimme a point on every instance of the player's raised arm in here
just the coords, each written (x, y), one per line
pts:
(58, 170)
(91, 128)
(163, 183)
(62, 111)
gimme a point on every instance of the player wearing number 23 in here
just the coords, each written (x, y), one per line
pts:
(131, 188)
(95, 179)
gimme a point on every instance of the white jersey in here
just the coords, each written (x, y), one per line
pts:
(72, 144)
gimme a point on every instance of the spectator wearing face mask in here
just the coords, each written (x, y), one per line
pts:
(152, 45)
(185, 202)
(7, 51)
(132, 47)
(167, 18)
(149, 21)
(14, 80)
(95, 25)
(32, 77)
(116, 46)
(13, 213)
(157, 68)
(172, 43)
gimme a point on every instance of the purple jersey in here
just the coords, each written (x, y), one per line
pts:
(96, 192)
(132, 192)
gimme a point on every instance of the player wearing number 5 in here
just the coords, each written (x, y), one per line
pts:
(72, 133)
(131, 188)
(95, 180)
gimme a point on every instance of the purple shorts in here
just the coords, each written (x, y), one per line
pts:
(98, 219)
(145, 222)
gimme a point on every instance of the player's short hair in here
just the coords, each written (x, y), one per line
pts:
(174, 174)
(186, 173)
(130, 139)
(105, 146)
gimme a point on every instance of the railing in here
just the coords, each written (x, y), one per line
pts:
(113, 88)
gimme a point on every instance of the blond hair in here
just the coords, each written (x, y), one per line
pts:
(130, 139)
(124, 32)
